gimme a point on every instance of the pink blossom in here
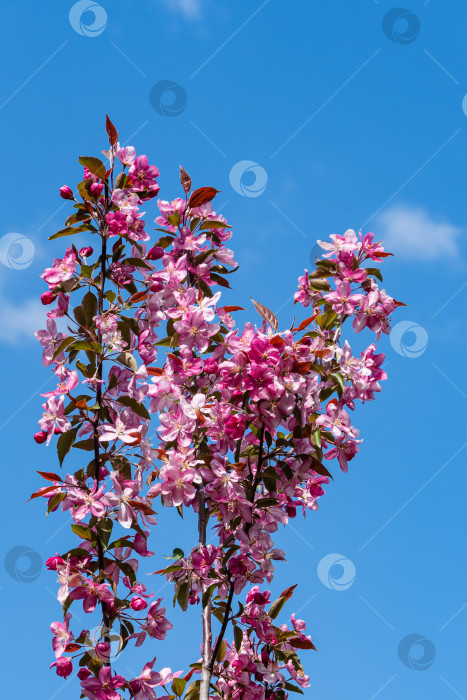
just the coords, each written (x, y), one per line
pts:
(120, 497)
(62, 270)
(343, 302)
(50, 340)
(65, 387)
(54, 415)
(62, 635)
(104, 686)
(90, 592)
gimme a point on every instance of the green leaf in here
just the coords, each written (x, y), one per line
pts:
(137, 262)
(238, 637)
(82, 531)
(339, 382)
(135, 406)
(64, 443)
(276, 607)
(176, 554)
(319, 468)
(207, 225)
(86, 345)
(83, 189)
(127, 359)
(183, 594)
(178, 686)
(293, 688)
(220, 280)
(316, 433)
(94, 165)
(89, 304)
(104, 528)
(64, 344)
(85, 444)
(72, 230)
(208, 593)
(375, 272)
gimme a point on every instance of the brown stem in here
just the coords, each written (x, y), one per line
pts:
(208, 668)
(206, 615)
(99, 545)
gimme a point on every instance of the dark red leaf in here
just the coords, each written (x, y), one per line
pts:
(201, 196)
(111, 131)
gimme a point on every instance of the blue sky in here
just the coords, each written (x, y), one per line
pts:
(346, 121)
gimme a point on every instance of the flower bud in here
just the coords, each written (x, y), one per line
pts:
(103, 650)
(63, 666)
(211, 366)
(40, 437)
(83, 674)
(57, 431)
(52, 562)
(86, 252)
(96, 189)
(138, 603)
(155, 253)
(66, 192)
(47, 298)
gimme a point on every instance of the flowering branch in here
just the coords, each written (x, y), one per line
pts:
(247, 418)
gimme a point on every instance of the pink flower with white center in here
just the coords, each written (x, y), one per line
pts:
(344, 450)
(304, 295)
(342, 300)
(195, 331)
(125, 155)
(203, 558)
(336, 420)
(90, 592)
(137, 587)
(54, 415)
(86, 502)
(106, 323)
(225, 256)
(177, 206)
(119, 431)
(62, 635)
(348, 243)
(146, 346)
(374, 250)
(68, 578)
(119, 378)
(62, 270)
(197, 409)
(187, 365)
(156, 626)
(66, 386)
(144, 175)
(50, 340)
(176, 425)
(117, 223)
(120, 497)
(143, 685)
(177, 486)
(187, 240)
(104, 686)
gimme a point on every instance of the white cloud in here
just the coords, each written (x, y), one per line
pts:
(19, 321)
(411, 233)
(190, 8)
